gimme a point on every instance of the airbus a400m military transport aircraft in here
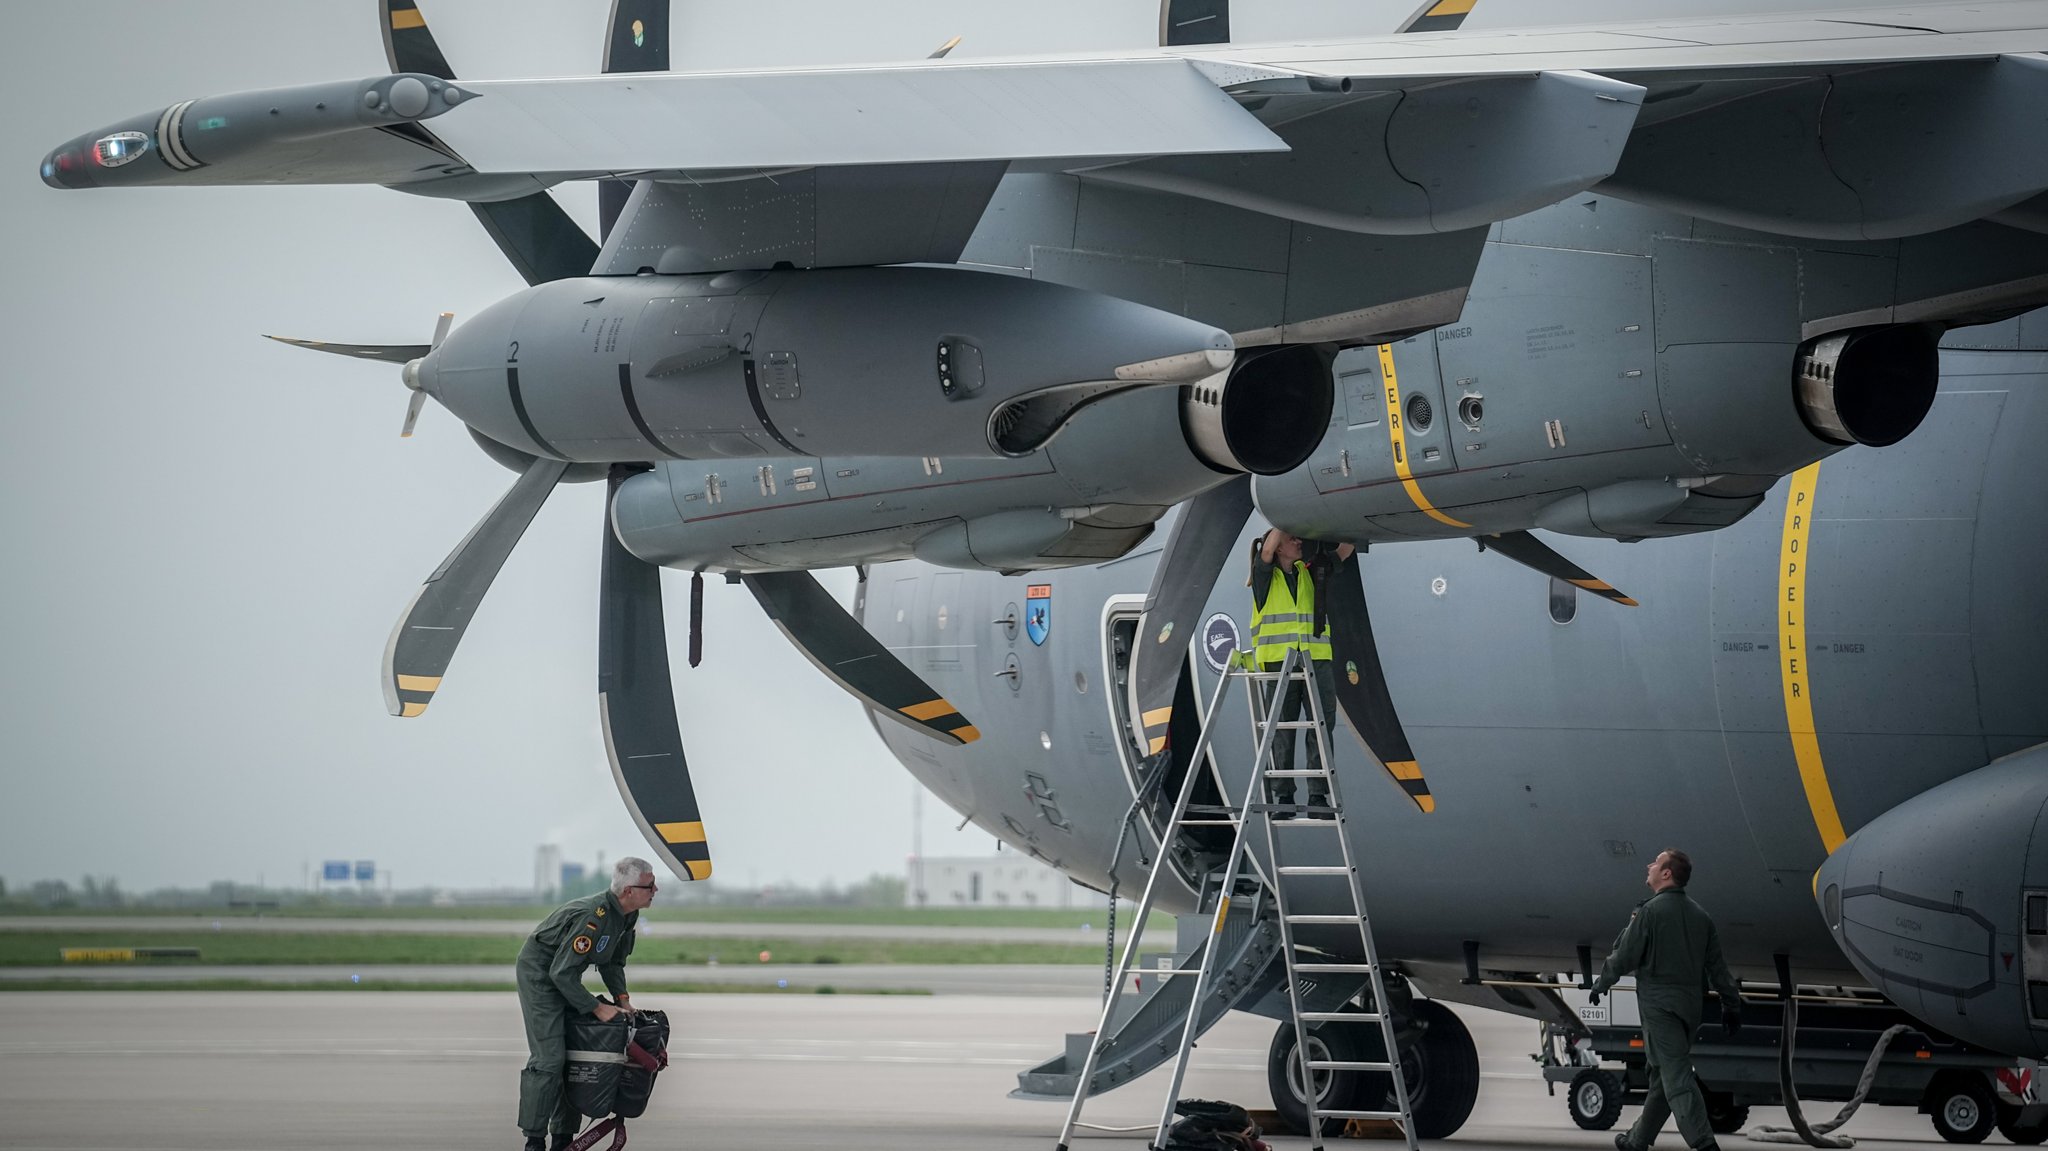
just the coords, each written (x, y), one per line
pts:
(1752, 295)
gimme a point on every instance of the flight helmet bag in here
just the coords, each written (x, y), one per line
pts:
(1212, 1125)
(597, 1061)
(636, 1083)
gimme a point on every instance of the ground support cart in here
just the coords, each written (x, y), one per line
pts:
(1967, 1092)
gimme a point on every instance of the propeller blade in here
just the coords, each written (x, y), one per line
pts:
(636, 705)
(1362, 684)
(853, 658)
(540, 239)
(1438, 16)
(409, 45)
(1197, 548)
(1527, 550)
(940, 52)
(441, 326)
(412, 414)
(635, 40)
(425, 639)
(384, 353)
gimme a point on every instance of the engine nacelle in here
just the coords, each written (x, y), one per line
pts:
(1090, 496)
(1942, 903)
(1618, 442)
(857, 361)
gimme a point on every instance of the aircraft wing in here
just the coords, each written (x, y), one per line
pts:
(1279, 169)
(928, 112)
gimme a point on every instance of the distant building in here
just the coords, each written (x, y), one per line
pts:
(572, 876)
(992, 881)
(547, 871)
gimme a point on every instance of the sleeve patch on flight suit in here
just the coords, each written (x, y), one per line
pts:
(602, 940)
(580, 945)
(590, 927)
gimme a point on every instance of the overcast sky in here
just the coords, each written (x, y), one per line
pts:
(208, 536)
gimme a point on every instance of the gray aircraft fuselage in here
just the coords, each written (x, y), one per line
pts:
(1568, 739)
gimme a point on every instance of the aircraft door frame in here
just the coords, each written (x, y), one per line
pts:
(1122, 612)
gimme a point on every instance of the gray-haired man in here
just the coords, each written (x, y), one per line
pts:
(597, 929)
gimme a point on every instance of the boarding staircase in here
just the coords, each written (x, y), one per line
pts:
(1241, 925)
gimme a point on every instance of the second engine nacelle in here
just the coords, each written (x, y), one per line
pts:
(1942, 903)
(1622, 442)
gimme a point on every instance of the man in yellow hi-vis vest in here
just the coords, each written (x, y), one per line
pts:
(1284, 616)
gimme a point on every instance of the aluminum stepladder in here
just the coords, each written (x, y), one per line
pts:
(1256, 808)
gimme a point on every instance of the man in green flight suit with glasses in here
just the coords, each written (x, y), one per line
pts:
(597, 929)
(1671, 947)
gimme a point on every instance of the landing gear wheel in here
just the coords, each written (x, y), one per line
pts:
(2024, 1134)
(1724, 1115)
(1440, 1069)
(1962, 1107)
(1335, 1090)
(1594, 1099)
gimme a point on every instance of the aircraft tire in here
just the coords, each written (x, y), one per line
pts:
(1337, 1041)
(1962, 1107)
(1442, 1072)
(2026, 1135)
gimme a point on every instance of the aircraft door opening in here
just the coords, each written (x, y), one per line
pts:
(1119, 637)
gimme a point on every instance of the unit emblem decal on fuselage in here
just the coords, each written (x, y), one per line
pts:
(1220, 640)
(1038, 612)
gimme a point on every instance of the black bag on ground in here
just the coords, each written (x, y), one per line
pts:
(596, 1064)
(636, 1082)
(1211, 1125)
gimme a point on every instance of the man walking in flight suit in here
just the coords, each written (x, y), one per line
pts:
(1286, 615)
(1672, 949)
(597, 929)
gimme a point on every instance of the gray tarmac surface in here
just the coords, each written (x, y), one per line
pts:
(660, 926)
(97, 1071)
(938, 978)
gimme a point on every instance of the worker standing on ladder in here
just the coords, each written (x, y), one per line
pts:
(1285, 615)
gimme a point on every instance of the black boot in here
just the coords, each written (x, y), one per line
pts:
(1621, 1143)
(536, 1143)
(562, 1142)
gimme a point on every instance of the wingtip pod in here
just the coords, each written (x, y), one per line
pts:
(340, 132)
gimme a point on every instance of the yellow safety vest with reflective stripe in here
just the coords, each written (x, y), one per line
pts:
(1284, 620)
